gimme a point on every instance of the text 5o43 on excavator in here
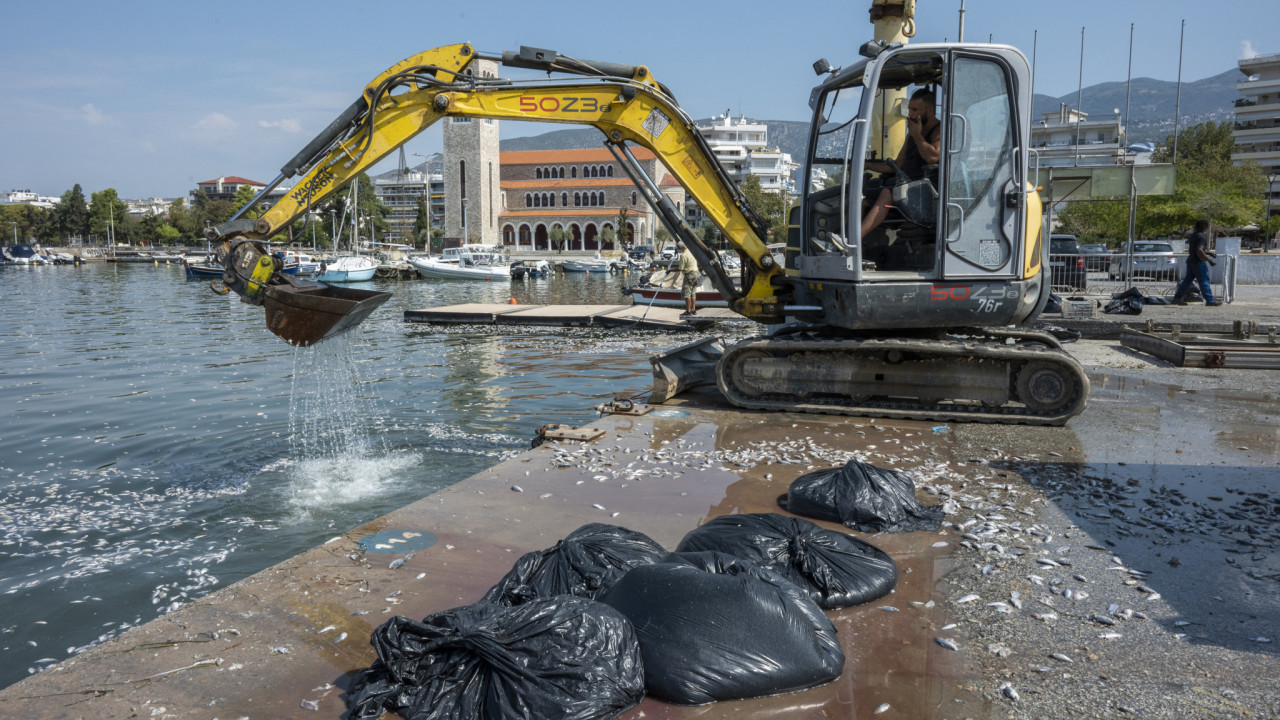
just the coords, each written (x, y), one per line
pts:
(922, 317)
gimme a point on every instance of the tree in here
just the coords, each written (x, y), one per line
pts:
(422, 223)
(71, 214)
(107, 214)
(244, 195)
(607, 236)
(624, 233)
(183, 220)
(769, 206)
(555, 236)
(662, 236)
(1209, 185)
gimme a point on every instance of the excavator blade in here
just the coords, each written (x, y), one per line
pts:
(304, 313)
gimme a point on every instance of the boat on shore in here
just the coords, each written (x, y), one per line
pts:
(346, 269)
(469, 262)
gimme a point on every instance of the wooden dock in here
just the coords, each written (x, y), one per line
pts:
(610, 316)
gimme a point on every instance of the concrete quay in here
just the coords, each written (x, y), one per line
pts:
(1158, 500)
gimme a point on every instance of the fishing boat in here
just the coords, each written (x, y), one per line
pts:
(469, 262)
(201, 272)
(663, 288)
(346, 269)
(300, 264)
(521, 269)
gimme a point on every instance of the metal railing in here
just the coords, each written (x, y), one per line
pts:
(1103, 275)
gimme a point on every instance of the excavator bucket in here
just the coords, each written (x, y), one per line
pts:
(304, 313)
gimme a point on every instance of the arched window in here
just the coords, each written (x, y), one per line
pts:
(595, 171)
(564, 199)
(537, 201)
(561, 174)
(577, 199)
(633, 198)
(595, 199)
(573, 172)
(537, 173)
(552, 199)
(528, 200)
(586, 171)
(610, 170)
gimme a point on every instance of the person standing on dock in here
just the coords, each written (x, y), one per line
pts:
(689, 280)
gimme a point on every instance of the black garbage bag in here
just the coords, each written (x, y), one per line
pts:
(585, 563)
(715, 627)
(836, 569)
(1128, 302)
(561, 657)
(1054, 305)
(862, 496)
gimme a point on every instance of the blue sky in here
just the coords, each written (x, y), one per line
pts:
(152, 97)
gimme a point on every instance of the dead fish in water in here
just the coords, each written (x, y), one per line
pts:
(946, 643)
(882, 708)
(1015, 598)
(280, 649)
(396, 564)
(1010, 693)
(310, 705)
(1045, 617)
(1001, 606)
(340, 638)
(1103, 619)
(1060, 657)
(888, 608)
(968, 598)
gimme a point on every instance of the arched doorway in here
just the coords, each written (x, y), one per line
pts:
(589, 240)
(526, 237)
(540, 238)
(508, 235)
(575, 235)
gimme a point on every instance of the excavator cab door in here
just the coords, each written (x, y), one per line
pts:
(983, 213)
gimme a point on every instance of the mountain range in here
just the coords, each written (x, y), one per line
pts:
(1151, 109)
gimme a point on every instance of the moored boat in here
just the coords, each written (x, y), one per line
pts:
(201, 272)
(346, 269)
(663, 288)
(469, 262)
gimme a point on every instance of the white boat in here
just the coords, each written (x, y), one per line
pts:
(596, 264)
(663, 289)
(346, 269)
(469, 262)
(305, 264)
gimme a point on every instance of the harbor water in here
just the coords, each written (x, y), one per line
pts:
(159, 443)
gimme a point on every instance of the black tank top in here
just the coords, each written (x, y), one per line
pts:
(913, 162)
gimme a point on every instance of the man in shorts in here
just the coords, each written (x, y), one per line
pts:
(689, 280)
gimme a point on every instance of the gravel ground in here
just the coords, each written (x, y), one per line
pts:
(1124, 566)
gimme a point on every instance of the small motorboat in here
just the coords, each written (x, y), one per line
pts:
(596, 264)
(201, 272)
(521, 269)
(346, 269)
(469, 262)
(23, 254)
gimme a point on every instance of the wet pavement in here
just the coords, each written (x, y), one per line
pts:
(1123, 565)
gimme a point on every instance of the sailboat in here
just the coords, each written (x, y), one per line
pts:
(348, 268)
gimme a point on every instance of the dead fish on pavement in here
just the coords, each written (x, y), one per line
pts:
(1060, 657)
(946, 643)
(968, 598)
(1009, 692)
(882, 708)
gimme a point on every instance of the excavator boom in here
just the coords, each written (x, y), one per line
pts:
(624, 102)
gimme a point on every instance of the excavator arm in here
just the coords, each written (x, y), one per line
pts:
(624, 102)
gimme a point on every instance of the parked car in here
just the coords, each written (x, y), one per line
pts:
(1095, 256)
(669, 252)
(643, 253)
(1066, 263)
(1153, 259)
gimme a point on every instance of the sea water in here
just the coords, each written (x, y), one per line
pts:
(157, 442)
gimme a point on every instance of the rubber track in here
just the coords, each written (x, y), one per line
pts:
(992, 347)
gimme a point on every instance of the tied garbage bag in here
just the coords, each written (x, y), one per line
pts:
(585, 563)
(561, 657)
(715, 627)
(863, 497)
(1054, 305)
(836, 570)
(1128, 302)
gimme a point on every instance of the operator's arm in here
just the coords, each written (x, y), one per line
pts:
(928, 147)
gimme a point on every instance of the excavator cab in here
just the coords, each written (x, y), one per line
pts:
(960, 246)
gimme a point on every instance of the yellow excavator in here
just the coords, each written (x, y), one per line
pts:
(924, 316)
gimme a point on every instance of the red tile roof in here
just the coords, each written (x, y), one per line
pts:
(232, 180)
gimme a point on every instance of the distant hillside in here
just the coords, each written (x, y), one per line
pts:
(1151, 108)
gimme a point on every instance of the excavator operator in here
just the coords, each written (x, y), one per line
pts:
(920, 151)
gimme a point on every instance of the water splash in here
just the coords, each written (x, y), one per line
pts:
(337, 454)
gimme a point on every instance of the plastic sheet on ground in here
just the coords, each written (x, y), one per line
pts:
(836, 569)
(563, 657)
(1128, 302)
(715, 627)
(585, 563)
(863, 497)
